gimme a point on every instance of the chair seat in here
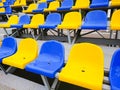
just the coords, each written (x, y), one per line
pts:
(17, 26)
(18, 60)
(105, 4)
(82, 76)
(46, 65)
(38, 10)
(94, 26)
(4, 25)
(30, 26)
(115, 27)
(64, 8)
(68, 26)
(5, 52)
(50, 9)
(48, 26)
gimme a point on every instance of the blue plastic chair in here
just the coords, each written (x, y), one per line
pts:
(49, 61)
(99, 3)
(8, 48)
(52, 21)
(66, 5)
(96, 19)
(40, 8)
(114, 74)
(24, 19)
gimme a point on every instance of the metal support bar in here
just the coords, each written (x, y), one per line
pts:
(6, 31)
(1, 67)
(45, 81)
(69, 38)
(54, 84)
(76, 36)
(100, 34)
(10, 70)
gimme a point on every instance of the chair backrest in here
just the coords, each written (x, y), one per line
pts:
(71, 18)
(37, 19)
(28, 45)
(96, 17)
(114, 74)
(67, 3)
(114, 22)
(8, 10)
(42, 5)
(53, 48)
(99, 3)
(86, 53)
(115, 2)
(9, 42)
(13, 19)
(24, 19)
(17, 2)
(23, 2)
(2, 10)
(53, 18)
(54, 5)
(81, 4)
(32, 6)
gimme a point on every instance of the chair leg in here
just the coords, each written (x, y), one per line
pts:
(46, 83)
(54, 84)
(6, 31)
(69, 38)
(1, 67)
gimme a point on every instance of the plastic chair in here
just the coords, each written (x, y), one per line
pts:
(114, 22)
(40, 8)
(85, 61)
(52, 21)
(80, 4)
(30, 8)
(27, 52)
(49, 61)
(66, 5)
(24, 19)
(8, 48)
(115, 2)
(52, 6)
(99, 3)
(96, 19)
(12, 20)
(71, 21)
(36, 20)
(19, 3)
(114, 74)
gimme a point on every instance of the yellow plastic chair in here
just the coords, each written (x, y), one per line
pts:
(85, 66)
(30, 8)
(115, 2)
(27, 52)
(52, 6)
(12, 20)
(71, 21)
(115, 20)
(41, 1)
(36, 20)
(19, 3)
(81, 4)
